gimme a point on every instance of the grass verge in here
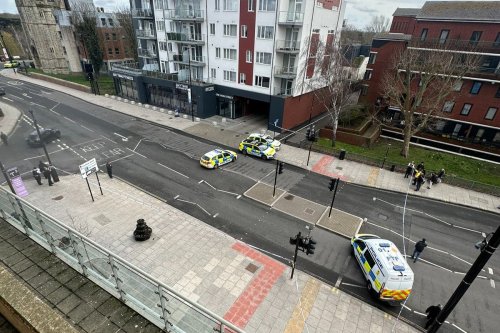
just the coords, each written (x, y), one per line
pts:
(105, 81)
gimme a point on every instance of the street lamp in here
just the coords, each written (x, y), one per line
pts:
(385, 157)
(53, 170)
(190, 95)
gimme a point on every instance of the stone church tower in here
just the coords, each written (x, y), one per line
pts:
(50, 34)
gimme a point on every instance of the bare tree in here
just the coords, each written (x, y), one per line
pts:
(124, 16)
(421, 80)
(378, 24)
(329, 79)
(84, 17)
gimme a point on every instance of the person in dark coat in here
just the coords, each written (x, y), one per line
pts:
(433, 179)
(37, 175)
(409, 169)
(419, 181)
(419, 247)
(4, 138)
(109, 169)
(420, 166)
(432, 313)
(440, 175)
(42, 166)
(46, 174)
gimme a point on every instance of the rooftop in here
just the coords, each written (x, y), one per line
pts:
(393, 36)
(460, 10)
(406, 12)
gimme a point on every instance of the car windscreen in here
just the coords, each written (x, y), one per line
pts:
(205, 158)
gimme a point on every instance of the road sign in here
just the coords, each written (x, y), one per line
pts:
(17, 182)
(88, 167)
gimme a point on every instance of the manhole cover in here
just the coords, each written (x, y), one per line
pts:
(289, 197)
(382, 217)
(309, 211)
(252, 268)
(59, 197)
(339, 168)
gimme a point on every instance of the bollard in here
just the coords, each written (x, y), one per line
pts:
(224, 120)
(125, 100)
(170, 112)
(214, 123)
(162, 110)
(132, 102)
(142, 232)
(106, 95)
(155, 108)
(197, 119)
(185, 116)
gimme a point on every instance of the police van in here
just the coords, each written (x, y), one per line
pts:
(388, 275)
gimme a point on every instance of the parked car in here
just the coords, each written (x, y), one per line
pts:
(11, 64)
(217, 157)
(256, 148)
(265, 139)
(47, 135)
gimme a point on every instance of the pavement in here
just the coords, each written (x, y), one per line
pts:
(230, 278)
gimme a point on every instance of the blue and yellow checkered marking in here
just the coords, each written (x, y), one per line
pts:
(368, 269)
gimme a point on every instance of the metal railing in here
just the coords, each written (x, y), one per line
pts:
(290, 17)
(285, 71)
(283, 91)
(457, 44)
(149, 297)
(290, 46)
(183, 37)
(142, 13)
(145, 33)
(149, 53)
(185, 14)
(185, 59)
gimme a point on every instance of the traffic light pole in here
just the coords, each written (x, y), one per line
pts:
(333, 198)
(309, 155)
(275, 177)
(299, 235)
(475, 269)
(43, 145)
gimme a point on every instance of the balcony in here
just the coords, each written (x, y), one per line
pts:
(148, 34)
(457, 45)
(285, 72)
(290, 18)
(147, 53)
(288, 46)
(185, 15)
(195, 60)
(283, 91)
(186, 38)
(142, 13)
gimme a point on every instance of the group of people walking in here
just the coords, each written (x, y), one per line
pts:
(419, 175)
(43, 169)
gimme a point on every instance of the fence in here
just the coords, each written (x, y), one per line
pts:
(150, 298)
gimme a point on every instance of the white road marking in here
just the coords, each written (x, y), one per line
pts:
(458, 328)
(492, 282)
(183, 175)
(16, 97)
(88, 129)
(121, 136)
(238, 197)
(26, 95)
(39, 105)
(420, 313)
(118, 159)
(353, 285)
(136, 152)
(192, 203)
(490, 270)
(137, 145)
(228, 192)
(216, 214)
(175, 198)
(74, 122)
(201, 181)
(8, 99)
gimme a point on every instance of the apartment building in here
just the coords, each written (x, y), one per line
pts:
(471, 114)
(229, 57)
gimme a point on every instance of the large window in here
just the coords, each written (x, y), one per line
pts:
(457, 85)
(217, 52)
(244, 31)
(423, 34)
(475, 37)
(263, 58)
(496, 43)
(368, 74)
(267, 5)
(230, 54)
(230, 30)
(217, 4)
(160, 25)
(212, 28)
(266, 32)
(372, 58)
(443, 37)
(230, 5)
(490, 114)
(262, 81)
(476, 86)
(251, 5)
(213, 73)
(448, 106)
(243, 77)
(249, 56)
(466, 109)
(230, 76)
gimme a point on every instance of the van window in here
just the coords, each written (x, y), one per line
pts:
(369, 259)
(361, 245)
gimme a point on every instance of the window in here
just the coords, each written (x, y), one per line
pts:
(51, 50)
(114, 36)
(263, 58)
(457, 86)
(369, 259)
(474, 38)
(117, 50)
(64, 50)
(60, 34)
(169, 46)
(360, 244)
(213, 73)
(373, 57)
(230, 76)
(106, 35)
(423, 34)
(466, 109)
(496, 43)
(111, 23)
(103, 22)
(267, 5)
(262, 81)
(230, 4)
(476, 86)
(217, 4)
(243, 77)
(251, 5)
(364, 89)
(249, 56)
(230, 54)
(217, 52)
(110, 51)
(490, 114)
(244, 31)
(444, 36)
(368, 74)
(160, 25)
(497, 95)
(448, 106)
(230, 30)
(163, 46)
(212, 28)
(266, 32)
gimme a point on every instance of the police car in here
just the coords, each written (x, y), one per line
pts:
(265, 139)
(217, 157)
(255, 148)
(388, 275)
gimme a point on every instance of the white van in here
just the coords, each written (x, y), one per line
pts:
(387, 273)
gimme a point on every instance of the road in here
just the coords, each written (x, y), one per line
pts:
(165, 162)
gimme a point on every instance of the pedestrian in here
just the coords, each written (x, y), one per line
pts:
(409, 169)
(3, 136)
(416, 174)
(432, 313)
(433, 179)
(42, 166)
(419, 180)
(46, 174)
(109, 169)
(419, 247)
(440, 176)
(420, 166)
(37, 175)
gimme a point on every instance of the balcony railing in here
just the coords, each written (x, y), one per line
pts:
(285, 72)
(187, 38)
(288, 46)
(457, 44)
(152, 299)
(283, 91)
(145, 33)
(185, 14)
(195, 60)
(147, 13)
(147, 53)
(291, 18)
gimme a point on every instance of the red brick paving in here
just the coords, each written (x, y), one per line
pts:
(321, 165)
(254, 294)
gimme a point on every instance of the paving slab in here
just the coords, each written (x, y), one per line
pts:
(340, 222)
(300, 208)
(263, 193)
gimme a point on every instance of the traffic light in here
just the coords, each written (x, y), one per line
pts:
(293, 240)
(308, 134)
(331, 186)
(312, 137)
(281, 165)
(310, 246)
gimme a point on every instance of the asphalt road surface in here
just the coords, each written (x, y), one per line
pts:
(165, 162)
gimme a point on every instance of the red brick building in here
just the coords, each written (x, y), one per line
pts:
(471, 113)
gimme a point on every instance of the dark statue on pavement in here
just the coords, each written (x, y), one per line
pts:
(142, 232)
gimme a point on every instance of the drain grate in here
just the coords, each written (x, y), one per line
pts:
(252, 268)
(289, 197)
(59, 197)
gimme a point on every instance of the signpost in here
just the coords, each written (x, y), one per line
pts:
(88, 168)
(17, 182)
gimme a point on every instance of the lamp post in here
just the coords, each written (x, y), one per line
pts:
(190, 97)
(53, 171)
(385, 157)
